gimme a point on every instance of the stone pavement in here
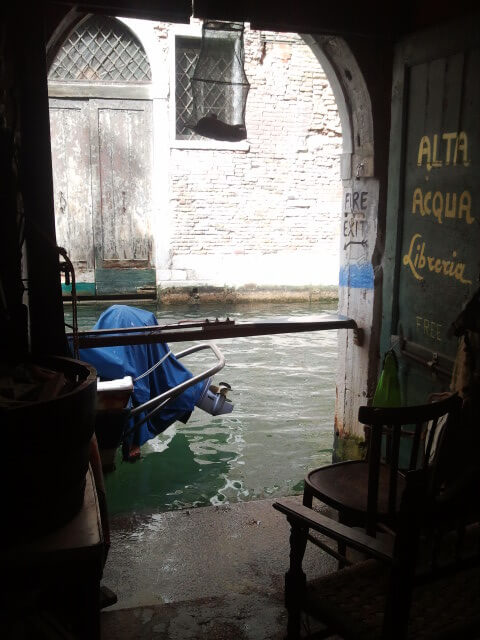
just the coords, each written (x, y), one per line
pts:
(211, 572)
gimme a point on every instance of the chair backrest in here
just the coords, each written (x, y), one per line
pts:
(395, 422)
(438, 537)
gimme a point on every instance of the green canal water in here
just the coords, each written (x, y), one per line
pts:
(283, 390)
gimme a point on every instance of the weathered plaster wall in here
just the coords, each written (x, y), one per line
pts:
(364, 109)
(265, 211)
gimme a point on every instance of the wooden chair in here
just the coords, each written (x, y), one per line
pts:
(422, 583)
(365, 492)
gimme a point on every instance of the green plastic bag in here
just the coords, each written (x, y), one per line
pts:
(387, 393)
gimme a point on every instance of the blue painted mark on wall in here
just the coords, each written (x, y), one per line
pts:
(356, 276)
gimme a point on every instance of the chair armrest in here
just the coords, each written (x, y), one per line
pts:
(298, 515)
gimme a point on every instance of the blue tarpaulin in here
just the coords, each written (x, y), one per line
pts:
(133, 360)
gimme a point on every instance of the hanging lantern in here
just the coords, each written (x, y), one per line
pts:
(219, 84)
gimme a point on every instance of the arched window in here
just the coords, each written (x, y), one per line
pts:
(101, 50)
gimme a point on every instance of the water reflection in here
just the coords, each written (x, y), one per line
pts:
(171, 479)
(282, 424)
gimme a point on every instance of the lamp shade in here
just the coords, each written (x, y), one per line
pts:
(219, 83)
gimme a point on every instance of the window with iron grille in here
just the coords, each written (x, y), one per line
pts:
(187, 50)
(101, 49)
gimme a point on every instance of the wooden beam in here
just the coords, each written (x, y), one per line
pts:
(47, 334)
(374, 18)
(13, 325)
(207, 330)
(160, 10)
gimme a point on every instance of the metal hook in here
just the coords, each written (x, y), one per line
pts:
(360, 169)
(433, 362)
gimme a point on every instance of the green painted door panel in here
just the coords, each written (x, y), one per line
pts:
(432, 256)
(125, 281)
(82, 289)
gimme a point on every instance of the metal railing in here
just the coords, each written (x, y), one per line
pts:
(161, 400)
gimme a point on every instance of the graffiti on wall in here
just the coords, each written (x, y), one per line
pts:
(358, 235)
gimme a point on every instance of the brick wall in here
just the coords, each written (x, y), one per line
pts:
(242, 214)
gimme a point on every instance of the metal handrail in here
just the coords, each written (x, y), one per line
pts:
(438, 363)
(159, 401)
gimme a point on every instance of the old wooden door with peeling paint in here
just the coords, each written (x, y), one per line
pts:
(101, 155)
(101, 131)
(121, 188)
(70, 135)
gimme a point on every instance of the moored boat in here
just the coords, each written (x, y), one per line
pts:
(144, 388)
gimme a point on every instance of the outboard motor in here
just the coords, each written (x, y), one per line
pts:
(214, 399)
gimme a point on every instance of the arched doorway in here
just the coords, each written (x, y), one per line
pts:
(101, 132)
(361, 229)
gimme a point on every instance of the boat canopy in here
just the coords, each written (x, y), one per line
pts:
(134, 360)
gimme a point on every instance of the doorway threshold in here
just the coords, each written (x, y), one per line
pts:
(218, 565)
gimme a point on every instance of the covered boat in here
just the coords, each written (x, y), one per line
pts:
(144, 388)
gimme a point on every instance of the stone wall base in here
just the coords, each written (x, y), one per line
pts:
(238, 295)
(348, 447)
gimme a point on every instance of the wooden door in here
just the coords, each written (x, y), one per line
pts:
(432, 260)
(102, 159)
(72, 179)
(121, 186)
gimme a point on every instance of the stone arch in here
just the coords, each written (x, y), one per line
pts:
(62, 29)
(74, 20)
(100, 49)
(353, 101)
(359, 297)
